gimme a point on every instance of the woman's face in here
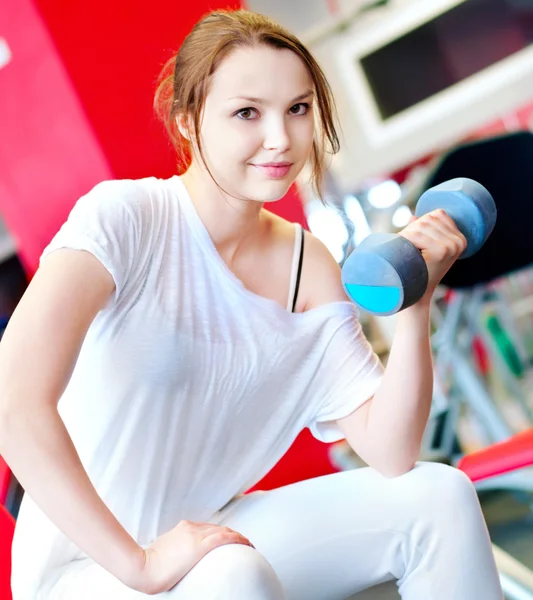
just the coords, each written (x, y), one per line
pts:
(257, 127)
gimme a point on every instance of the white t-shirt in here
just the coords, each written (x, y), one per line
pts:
(189, 387)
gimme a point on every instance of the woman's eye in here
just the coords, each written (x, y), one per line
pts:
(246, 113)
(299, 109)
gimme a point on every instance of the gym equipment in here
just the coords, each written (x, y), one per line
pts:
(505, 345)
(386, 273)
(503, 165)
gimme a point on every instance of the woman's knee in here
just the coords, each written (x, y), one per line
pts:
(443, 492)
(235, 571)
(442, 481)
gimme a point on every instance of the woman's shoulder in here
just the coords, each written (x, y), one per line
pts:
(132, 192)
(136, 200)
(320, 276)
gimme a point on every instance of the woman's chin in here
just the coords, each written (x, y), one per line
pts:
(270, 192)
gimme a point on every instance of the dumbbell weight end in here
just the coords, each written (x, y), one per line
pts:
(382, 288)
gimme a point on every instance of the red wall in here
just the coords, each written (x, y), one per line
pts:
(113, 51)
(49, 152)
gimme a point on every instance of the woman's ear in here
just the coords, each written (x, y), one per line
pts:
(182, 121)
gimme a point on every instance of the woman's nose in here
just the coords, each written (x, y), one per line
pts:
(276, 135)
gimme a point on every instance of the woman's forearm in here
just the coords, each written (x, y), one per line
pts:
(39, 451)
(400, 408)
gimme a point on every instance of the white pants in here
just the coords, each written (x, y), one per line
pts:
(330, 537)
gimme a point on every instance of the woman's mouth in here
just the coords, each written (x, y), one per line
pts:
(273, 170)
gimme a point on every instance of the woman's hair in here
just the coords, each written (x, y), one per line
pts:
(184, 81)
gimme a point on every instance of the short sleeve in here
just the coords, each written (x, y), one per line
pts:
(104, 223)
(351, 375)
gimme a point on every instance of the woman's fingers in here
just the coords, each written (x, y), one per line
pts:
(215, 533)
(436, 232)
(221, 538)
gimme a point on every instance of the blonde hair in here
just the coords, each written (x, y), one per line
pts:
(184, 81)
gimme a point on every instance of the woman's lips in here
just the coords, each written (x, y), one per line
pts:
(274, 170)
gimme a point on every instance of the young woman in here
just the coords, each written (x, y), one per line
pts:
(176, 349)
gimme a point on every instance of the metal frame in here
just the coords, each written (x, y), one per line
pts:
(453, 366)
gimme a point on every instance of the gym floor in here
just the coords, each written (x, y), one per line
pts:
(509, 515)
(510, 521)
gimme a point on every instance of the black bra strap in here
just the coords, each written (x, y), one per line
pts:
(299, 272)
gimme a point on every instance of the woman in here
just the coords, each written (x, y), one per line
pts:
(190, 335)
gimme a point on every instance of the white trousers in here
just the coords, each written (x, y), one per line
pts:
(330, 537)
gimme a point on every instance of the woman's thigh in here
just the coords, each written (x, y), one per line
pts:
(331, 537)
(325, 537)
(229, 572)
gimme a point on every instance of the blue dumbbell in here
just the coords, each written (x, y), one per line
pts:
(386, 273)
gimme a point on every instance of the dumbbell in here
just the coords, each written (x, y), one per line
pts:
(386, 273)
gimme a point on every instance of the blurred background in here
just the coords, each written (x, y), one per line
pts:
(426, 90)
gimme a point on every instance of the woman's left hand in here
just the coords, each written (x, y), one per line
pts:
(441, 243)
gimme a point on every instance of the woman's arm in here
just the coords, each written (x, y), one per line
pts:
(37, 355)
(386, 431)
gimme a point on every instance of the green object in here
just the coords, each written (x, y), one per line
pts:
(505, 346)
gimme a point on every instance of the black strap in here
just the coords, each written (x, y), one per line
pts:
(299, 272)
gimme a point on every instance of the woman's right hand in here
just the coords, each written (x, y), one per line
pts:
(176, 552)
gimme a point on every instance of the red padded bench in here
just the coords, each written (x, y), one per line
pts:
(509, 455)
(7, 528)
